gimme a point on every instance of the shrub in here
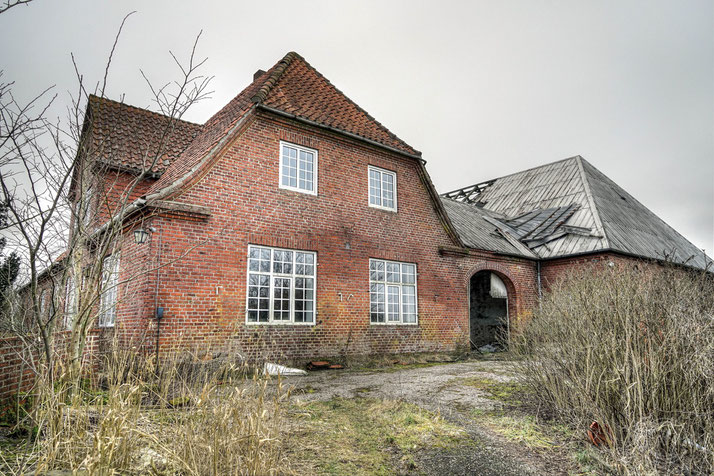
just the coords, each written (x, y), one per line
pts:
(631, 347)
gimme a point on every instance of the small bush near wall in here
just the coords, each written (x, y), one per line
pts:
(631, 348)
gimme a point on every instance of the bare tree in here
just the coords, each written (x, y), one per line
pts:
(8, 4)
(56, 178)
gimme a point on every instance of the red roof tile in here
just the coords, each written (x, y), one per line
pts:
(293, 87)
(129, 137)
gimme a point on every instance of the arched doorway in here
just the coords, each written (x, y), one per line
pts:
(488, 310)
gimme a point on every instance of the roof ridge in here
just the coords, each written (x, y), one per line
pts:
(269, 82)
(591, 201)
(101, 99)
(293, 56)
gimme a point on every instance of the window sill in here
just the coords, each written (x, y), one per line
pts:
(384, 209)
(395, 324)
(297, 190)
(281, 324)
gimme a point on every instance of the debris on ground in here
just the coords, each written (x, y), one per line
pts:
(323, 365)
(599, 435)
(488, 349)
(277, 369)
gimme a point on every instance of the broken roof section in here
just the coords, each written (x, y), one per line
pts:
(567, 208)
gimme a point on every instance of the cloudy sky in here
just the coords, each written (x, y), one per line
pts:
(482, 88)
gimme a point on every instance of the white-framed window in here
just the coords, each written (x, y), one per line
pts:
(108, 299)
(298, 168)
(382, 188)
(281, 286)
(392, 292)
(70, 302)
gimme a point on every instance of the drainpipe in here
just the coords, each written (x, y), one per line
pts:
(540, 287)
(158, 312)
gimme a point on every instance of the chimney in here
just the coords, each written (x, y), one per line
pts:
(258, 74)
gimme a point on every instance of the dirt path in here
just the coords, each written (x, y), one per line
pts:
(434, 388)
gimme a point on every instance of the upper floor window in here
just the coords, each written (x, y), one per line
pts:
(281, 286)
(108, 299)
(392, 292)
(382, 189)
(298, 168)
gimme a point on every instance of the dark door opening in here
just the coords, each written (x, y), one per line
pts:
(488, 313)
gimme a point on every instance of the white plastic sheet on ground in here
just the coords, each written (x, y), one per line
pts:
(277, 369)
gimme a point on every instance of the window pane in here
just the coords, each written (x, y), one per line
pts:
(282, 262)
(258, 300)
(304, 294)
(393, 272)
(289, 166)
(304, 264)
(408, 274)
(408, 304)
(393, 303)
(258, 259)
(376, 270)
(281, 299)
(376, 302)
(375, 187)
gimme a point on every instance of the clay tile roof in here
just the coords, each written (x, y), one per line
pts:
(129, 137)
(302, 91)
(293, 87)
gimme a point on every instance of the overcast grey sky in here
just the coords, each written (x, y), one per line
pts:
(482, 88)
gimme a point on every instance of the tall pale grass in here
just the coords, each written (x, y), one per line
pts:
(189, 416)
(631, 347)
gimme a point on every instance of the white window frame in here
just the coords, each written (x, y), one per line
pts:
(372, 168)
(273, 275)
(70, 302)
(314, 168)
(388, 284)
(108, 310)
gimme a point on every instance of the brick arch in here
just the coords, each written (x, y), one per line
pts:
(514, 293)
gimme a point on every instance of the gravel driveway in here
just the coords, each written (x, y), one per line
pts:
(434, 388)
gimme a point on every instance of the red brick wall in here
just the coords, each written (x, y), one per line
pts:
(15, 372)
(19, 357)
(203, 290)
(552, 270)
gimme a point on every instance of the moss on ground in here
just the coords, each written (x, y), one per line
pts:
(363, 436)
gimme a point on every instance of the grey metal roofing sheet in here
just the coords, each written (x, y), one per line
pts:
(633, 228)
(615, 219)
(475, 231)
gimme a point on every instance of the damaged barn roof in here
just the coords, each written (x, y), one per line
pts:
(565, 208)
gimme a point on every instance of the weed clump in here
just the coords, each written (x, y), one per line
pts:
(631, 347)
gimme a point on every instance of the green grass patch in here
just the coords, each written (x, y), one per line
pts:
(364, 436)
(510, 392)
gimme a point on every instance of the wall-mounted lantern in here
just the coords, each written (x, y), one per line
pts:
(140, 236)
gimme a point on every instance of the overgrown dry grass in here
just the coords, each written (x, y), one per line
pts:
(190, 417)
(633, 349)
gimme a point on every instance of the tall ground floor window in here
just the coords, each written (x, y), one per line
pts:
(392, 292)
(108, 298)
(281, 286)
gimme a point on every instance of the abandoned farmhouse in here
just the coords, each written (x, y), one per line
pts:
(293, 225)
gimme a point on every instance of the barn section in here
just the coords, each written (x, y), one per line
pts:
(559, 216)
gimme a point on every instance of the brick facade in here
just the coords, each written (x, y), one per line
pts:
(203, 279)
